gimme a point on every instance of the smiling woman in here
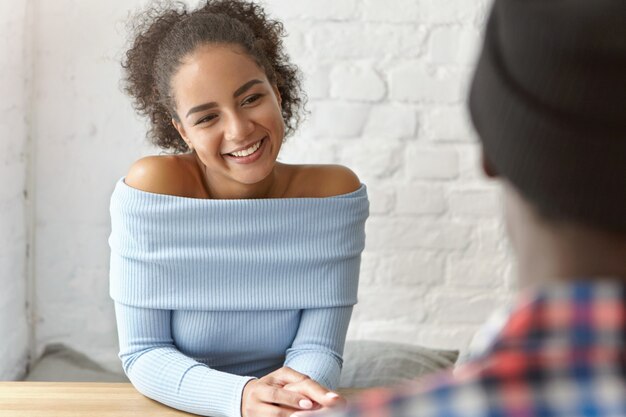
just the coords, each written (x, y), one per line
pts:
(233, 275)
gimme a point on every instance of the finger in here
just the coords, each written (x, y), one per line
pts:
(286, 375)
(317, 393)
(280, 396)
(270, 410)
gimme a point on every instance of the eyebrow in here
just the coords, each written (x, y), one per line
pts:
(236, 94)
(201, 107)
(245, 87)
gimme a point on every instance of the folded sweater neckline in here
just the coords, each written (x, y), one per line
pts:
(123, 185)
(172, 252)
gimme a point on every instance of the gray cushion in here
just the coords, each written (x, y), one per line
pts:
(373, 364)
(60, 363)
(366, 364)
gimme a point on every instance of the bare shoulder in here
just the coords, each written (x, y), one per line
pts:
(166, 174)
(326, 180)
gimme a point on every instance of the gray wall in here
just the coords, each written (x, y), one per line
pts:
(14, 71)
(86, 138)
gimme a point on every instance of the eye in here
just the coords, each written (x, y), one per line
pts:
(205, 119)
(251, 99)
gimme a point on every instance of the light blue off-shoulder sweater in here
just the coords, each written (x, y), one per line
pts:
(212, 293)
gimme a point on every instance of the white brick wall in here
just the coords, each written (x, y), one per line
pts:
(436, 260)
(86, 136)
(13, 142)
(386, 83)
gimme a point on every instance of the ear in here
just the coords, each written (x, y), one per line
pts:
(181, 131)
(487, 165)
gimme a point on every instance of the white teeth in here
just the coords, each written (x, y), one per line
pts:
(252, 149)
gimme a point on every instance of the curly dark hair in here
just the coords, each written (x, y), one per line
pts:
(166, 32)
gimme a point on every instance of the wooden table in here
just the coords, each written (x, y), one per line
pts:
(83, 399)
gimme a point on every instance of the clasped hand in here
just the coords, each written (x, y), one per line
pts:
(285, 392)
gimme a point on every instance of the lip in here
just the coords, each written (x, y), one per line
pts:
(244, 147)
(250, 158)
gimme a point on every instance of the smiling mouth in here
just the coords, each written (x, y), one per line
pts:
(248, 151)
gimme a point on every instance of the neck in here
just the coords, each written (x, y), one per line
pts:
(549, 250)
(566, 251)
(225, 188)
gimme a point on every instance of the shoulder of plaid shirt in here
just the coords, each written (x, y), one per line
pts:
(561, 353)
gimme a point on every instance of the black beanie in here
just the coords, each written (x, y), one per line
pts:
(548, 100)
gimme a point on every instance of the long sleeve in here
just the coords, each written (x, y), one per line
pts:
(318, 347)
(160, 371)
(207, 291)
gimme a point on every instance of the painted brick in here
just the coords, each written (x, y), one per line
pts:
(383, 330)
(431, 163)
(411, 41)
(356, 82)
(477, 271)
(491, 236)
(351, 41)
(415, 83)
(365, 40)
(306, 150)
(317, 81)
(337, 120)
(453, 45)
(319, 9)
(384, 302)
(475, 203)
(294, 42)
(440, 336)
(369, 269)
(382, 199)
(420, 199)
(412, 233)
(390, 121)
(451, 11)
(470, 163)
(464, 308)
(399, 11)
(449, 124)
(371, 162)
(412, 268)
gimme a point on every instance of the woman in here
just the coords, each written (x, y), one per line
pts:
(233, 275)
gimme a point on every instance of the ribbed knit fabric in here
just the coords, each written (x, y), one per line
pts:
(210, 293)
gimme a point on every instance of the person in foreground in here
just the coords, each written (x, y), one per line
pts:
(548, 100)
(233, 275)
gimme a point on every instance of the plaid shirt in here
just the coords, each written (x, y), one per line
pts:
(561, 353)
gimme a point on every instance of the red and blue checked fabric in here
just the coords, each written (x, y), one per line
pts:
(561, 353)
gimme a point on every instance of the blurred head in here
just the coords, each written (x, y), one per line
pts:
(548, 101)
(170, 39)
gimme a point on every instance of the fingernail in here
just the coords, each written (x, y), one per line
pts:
(304, 404)
(331, 394)
(295, 415)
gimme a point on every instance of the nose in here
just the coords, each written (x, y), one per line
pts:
(238, 127)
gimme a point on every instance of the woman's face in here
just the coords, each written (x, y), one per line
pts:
(229, 113)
